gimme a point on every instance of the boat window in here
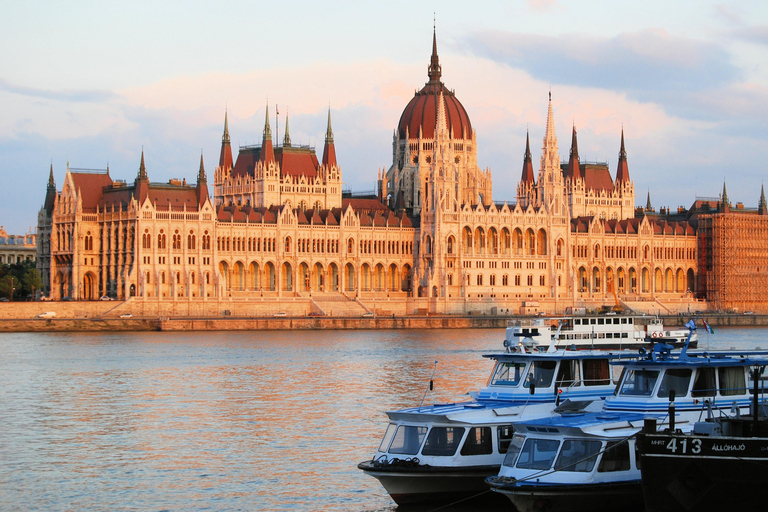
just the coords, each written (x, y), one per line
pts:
(568, 375)
(387, 437)
(443, 441)
(601, 321)
(514, 450)
(508, 374)
(704, 383)
(677, 379)
(615, 458)
(578, 455)
(541, 373)
(504, 433)
(639, 382)
(478, 442)
(597, 372)
(408, 440)
(732, 381)
(538, 453)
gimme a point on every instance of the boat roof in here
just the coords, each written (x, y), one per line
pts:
(563, 354)
(688, 359)
(604, 424)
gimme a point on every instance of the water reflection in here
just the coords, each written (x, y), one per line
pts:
(222, 421)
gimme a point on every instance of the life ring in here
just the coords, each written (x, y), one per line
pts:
(655, 335)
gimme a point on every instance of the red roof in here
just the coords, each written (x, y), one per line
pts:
(90, 187)
(597, 177)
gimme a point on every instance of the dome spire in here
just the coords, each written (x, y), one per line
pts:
(51, 182)
(434, 63)
(762, 206)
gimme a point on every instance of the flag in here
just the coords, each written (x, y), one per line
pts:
(708, 328)
(691, 325)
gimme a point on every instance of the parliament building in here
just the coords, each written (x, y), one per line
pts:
(279, 229)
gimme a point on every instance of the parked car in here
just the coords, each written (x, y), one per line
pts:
(3, 299)
(47, 314)
(105, 297)
(280, 313)
(45, 298)
(368, 315)
(316, 313)
(126, 315)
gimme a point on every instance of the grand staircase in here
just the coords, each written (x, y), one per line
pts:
(338, 304)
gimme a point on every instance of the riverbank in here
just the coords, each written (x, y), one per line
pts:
(304, 323)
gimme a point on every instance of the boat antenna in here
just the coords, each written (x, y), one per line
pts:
(431, 385)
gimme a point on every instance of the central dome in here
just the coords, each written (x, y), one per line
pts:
(421, 112)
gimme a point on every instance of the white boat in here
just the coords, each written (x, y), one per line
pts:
(444, 452)
(605, 331)
(587, 461)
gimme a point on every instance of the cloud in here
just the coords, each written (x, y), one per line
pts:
(85, 95)
(647, 61)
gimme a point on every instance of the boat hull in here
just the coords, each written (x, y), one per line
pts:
(624, 496)
(431, 484)
(724, 473)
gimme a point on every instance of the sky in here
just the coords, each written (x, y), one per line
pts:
(90, 84)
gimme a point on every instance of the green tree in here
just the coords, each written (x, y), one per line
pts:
(32, 281)
(8, 285)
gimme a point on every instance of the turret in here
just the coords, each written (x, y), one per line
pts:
(762, 207)
(267, 151)
(329, 151)
(574, 170)
(50, 193)
(202, 183)
(225, 160)
(142, 181)
(622, 170)
(725, 205)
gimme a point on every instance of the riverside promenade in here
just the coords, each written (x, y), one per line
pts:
(99, 316)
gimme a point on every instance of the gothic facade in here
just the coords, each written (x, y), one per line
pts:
(278, 225)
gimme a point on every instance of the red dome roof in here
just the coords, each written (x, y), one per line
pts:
(421, 112)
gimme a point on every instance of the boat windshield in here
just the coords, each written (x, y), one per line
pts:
(639, 382)
(443, 441)
(578, 455)
(541, 373)
(387, 437)
(677, 380)
(407, 440)
(508, 373)
(538, 453)
(513, 450)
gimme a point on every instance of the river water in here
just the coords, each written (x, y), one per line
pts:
(273, 420)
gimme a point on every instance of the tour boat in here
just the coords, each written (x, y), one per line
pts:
(604, 331)
(444, 452)
(583, 461)
(721, 465)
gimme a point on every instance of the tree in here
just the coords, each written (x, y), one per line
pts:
(8, 285)
(32, 281)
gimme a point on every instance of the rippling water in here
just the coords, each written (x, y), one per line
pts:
(223, 420)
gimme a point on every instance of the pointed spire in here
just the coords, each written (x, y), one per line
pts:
(267, 151)
(51, 182)
(549, 135)
(329, 151)
(648, 205)
(225, 158)
(434, 70)
(762, 206)
(201, 171)
(725, 200)
(267, 129)
(287, 137)
(622, 169)
(527, 176)
(202, 183)
(142, 168)
(574, 168)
